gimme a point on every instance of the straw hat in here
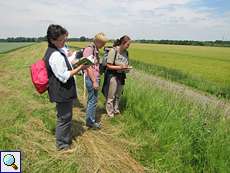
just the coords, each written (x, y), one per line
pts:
(101, 37)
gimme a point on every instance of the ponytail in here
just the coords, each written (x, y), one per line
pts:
(122, 40)
(117, 42)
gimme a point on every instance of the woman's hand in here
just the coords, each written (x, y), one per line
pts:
(95, 85)
(83, 67)
(78, 68)
(123, 66)
(70, 53)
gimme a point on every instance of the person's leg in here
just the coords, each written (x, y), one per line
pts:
(64, 122)
(91, 103)
(118, 97)
(111, 96)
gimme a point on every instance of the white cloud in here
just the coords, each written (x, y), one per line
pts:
(153, 19)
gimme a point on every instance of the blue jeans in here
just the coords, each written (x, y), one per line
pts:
(92, 101)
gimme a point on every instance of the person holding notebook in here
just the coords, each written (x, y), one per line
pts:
(62, 88)
(92, 79)
(117, 67)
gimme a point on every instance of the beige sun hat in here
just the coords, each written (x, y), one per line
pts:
(101, 37)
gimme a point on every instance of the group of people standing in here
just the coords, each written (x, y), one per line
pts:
(62, 87)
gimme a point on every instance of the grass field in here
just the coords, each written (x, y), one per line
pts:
(210, 63)
(204, 68)
(161, 130)
(6, 47)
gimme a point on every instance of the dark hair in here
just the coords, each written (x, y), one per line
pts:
(54, 32)
(121, 41)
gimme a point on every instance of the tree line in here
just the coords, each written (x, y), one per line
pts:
(219, 43)
(38, 39)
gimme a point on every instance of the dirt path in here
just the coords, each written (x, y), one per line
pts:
(189, 93)
(102, 151)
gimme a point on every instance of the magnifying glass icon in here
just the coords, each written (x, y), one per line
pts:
(9, 160)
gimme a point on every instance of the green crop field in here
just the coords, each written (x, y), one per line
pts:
(6, 46)
(162, 131)
(204, 68)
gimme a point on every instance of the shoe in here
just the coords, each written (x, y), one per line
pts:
(68, 150)
(89, 125)
(110, 115)
(117, 112)
(64, 147)
(94, 126)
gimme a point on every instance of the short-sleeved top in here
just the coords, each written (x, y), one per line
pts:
(121, 58)
(92, 50)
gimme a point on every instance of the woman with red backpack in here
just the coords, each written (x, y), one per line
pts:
(61, 89)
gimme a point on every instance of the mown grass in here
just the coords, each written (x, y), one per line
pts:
(6, 47)
(27, 118)
(174, 135)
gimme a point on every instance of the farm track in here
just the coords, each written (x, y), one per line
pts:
(102, 151)
(189, 93)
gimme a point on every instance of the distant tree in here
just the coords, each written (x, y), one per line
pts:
(82, 38)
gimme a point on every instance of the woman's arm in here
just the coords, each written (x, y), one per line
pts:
(59, 68)
(116, 67)
(76, 70)
(90, 71)
(111, 61)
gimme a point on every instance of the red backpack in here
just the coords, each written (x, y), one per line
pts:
(39, 76)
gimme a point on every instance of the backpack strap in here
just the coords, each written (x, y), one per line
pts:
(49, 51)
(127, 53)
(115, 56)
(91, 46)
(69, 67)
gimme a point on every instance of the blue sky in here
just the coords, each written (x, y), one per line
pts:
(221, 6)
(141, 19)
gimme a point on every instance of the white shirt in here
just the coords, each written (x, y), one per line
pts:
(59, 67)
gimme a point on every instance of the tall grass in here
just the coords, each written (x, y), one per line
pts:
(200, 83)
(210, 63)
(175, 135)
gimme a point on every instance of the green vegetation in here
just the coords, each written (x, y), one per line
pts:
(217, 43)
(27, 118)
(174, 135)
(204, 68)
(7, 47)
(166, 132)
(222, 91)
